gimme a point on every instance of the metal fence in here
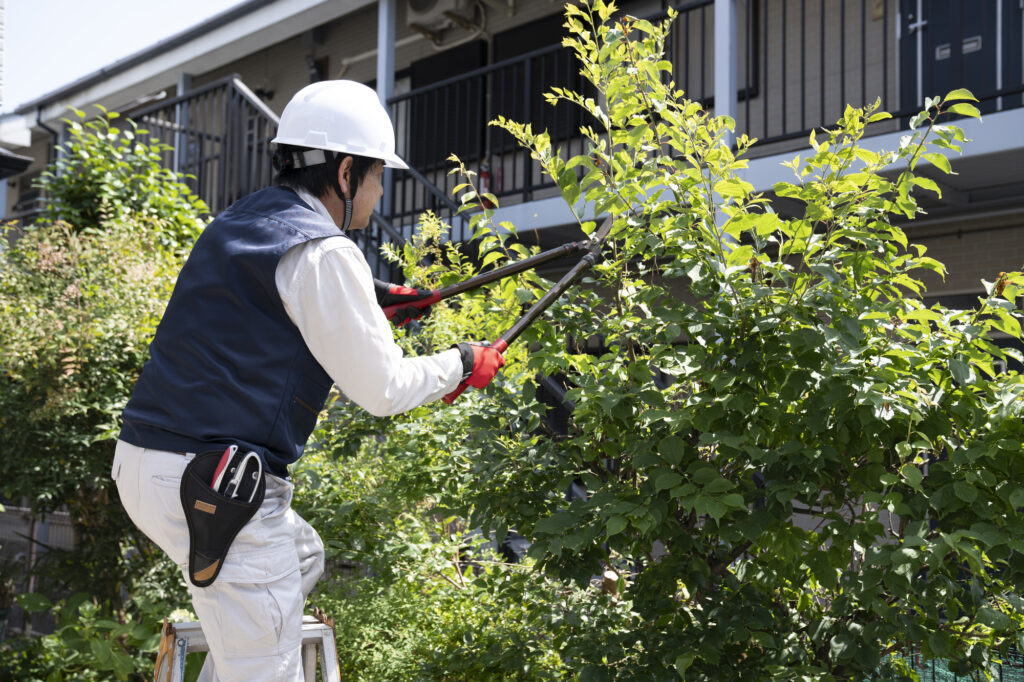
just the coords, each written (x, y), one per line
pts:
(24, 540)
(451, 116)
(799, 63)
(1011, 669)
(220, 137)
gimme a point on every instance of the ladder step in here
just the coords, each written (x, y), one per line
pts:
(180, 639)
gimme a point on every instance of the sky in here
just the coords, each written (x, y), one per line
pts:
(50, 43)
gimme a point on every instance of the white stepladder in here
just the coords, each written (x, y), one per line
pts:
(179, 639)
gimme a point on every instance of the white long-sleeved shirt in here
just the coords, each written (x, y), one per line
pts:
(327, 289)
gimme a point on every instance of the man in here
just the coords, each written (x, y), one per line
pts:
(273, 305)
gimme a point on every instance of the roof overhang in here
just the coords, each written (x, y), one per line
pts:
(234, 34)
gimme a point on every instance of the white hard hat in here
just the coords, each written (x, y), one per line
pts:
(339, 116)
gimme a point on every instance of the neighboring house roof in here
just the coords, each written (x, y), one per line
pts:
(12, 164)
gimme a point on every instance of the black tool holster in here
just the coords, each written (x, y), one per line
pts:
(213, 519)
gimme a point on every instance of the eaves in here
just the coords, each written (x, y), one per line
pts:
(233, 34)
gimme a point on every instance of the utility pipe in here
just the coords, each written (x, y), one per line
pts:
(53, 133)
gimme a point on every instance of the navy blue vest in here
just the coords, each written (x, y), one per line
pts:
(227, 365)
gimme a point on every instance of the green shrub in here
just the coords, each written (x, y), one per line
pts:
(78, 311)
(79, 303)
(110, 172)
(806, 378)
(794, 468)
(89, 644)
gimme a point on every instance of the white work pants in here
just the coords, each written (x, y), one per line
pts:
(252, 614)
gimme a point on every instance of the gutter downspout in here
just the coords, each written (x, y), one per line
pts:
(53, 133)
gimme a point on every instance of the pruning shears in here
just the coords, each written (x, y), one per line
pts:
(236, 468)
(591, 247)
(523, 265)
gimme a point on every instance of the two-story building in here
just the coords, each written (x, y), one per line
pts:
(445, 67)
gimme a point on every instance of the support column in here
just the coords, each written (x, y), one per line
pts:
(386, 78)
(181, 121)
(726, 71)
(726, 84)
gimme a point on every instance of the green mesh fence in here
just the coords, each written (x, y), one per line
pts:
(1011, 670)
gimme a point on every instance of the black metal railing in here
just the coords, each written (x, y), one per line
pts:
(451, 116)
(799, 63)
(690, 47)
(220, 137)
(811, 58)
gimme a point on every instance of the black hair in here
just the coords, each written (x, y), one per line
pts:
(321, 178)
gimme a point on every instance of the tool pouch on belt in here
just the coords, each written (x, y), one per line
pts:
(213, 519)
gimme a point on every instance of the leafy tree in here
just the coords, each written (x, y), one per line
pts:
(109, 171)
(793, 468)
(78, 310)
(80, 301)
(416, 594)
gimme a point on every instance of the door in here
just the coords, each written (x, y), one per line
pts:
(973, 44)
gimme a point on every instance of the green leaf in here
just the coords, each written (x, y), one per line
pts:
(961, 93)
(491, 258)
(567, 181)
(733, 187)
(719, 485)
(101, 652)
(842, 646)
(965, 109)
(734, 500)
(938, 642)
(912, 475)
(683, 663)
(1017, 498)
(34, 602)
(672, 449)
(961, 371)
(123, 665)
(939, 161)
(965, 491)
(616, 525)
(927, 183)
(997, 620)
(556, 523)
(666, 480)
(740, 255)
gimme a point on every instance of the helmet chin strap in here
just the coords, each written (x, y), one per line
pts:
(314, 157)
(348, 214)
(348, 202)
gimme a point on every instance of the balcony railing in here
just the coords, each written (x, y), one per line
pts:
(798, 64)
(220, 134)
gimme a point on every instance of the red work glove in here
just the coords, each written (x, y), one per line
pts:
(479, 363)
(391, 297)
